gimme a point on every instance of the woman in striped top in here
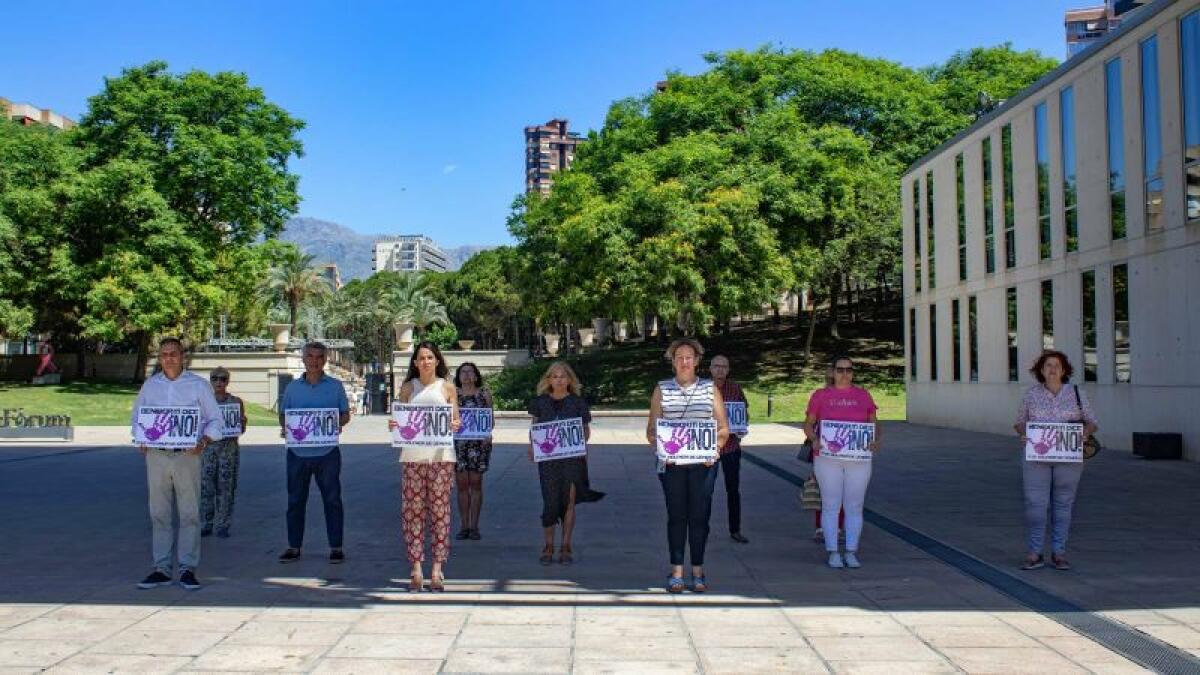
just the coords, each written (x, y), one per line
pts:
(687, 488)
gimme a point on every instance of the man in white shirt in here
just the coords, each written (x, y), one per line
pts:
(173, 475)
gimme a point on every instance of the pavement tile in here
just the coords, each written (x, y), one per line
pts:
(1180, 636)
(892, 668)
(873, 649)
(1091, 655)
(501, 635)
(759, 636)
(782, 659)
(411, 623)
(391, 646)
(973, 636)
(1035, 625)
(89, 630)
(120, 663)
(286, 633)
(634, 668)
(944, 618)
(293, 658)
(1009, 660)
(131, 612)
(508, 660)
(515, 616)
(849, 625)
(381, 666)
(37, 653)
(197, 619)
(158, 642)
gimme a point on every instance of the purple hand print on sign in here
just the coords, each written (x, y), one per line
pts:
(157, 428)
(1048, 439)
(308, 425)
(550, 442)
(677, 441)
(840, 440)
(412, 427)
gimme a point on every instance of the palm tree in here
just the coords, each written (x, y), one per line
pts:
(294, 280)
(425, 311)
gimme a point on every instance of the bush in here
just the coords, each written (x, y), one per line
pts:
(445, 337)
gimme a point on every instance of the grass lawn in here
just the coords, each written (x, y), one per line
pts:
(764, 358)
(93, 403)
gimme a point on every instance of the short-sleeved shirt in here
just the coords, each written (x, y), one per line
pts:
(852, 404)
(545, 408)
(328, 392)
(1041, 405)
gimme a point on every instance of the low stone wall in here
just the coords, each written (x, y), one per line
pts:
(488, 360)
(118, 367)
(254, 376)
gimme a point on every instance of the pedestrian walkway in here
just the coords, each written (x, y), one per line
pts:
(78, 539)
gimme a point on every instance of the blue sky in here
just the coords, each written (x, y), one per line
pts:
(415, 112)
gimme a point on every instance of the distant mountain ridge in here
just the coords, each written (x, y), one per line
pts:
(352, 252)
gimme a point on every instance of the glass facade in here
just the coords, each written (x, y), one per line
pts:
(1066, 113)
(1152, 148)
(1047, 314)
(1042, 151)
(933, 369)
(961, 191)
(1010, 217)
(916, 215)
(955, 340)
(930, 229)
(973, 338)
(989, 218)
(1189, 59)
(1011, 303)
(1121, 342)
(1116, 147)
(1088, 306)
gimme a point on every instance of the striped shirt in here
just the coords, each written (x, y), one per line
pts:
(694, 402)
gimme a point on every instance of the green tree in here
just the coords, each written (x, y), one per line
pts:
(294, 280)
(971, 81)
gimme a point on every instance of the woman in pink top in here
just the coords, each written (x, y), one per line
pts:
(843, 481)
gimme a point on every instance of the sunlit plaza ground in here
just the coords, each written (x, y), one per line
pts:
(939, 590)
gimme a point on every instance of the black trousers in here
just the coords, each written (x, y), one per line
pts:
(327, 470)
(731, 467)
(688, 491)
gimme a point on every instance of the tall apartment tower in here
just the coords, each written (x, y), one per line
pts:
(409, 253)
(28, 115)
(1088, 24)
(548, 148)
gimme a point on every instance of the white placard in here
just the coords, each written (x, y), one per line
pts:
(559, 439)
(311, 427)
(477, 424)
(847, 440)
(422, 425)
(167, 427)
(1054, 442)
(739, 419)
(231, 420)
(686, 441)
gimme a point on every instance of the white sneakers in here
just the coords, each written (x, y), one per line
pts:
(837, 560)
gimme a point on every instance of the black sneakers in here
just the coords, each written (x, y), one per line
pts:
(337, 556)
(187, 579)
(154, 580)
(290, 555)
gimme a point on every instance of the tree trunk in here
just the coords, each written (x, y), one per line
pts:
(812, 326)
(834, 292)
(143, 352)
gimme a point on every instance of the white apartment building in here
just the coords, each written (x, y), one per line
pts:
(409, 253)
(1067, 218)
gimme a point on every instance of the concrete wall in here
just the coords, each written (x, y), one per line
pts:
(488, 360)
(1164, 266)
(254, 376)
(98, 366)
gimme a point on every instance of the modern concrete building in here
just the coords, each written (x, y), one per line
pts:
(1067, 218)
(331, 274)
(26, 114)
(409, 253)
(549, 148)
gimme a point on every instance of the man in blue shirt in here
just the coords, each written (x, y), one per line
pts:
(324, 463)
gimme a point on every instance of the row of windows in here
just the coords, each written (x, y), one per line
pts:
(1152, 169)
(1122, 372)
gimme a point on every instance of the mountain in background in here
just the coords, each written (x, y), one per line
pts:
(353, 252)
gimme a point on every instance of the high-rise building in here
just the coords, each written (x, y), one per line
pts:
(28, 115)
(548, 148)
(409, 253)
(1069, 217)
(1088, 24)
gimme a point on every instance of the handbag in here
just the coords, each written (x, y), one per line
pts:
(810, 495)
(806, 452)
(1091, 447)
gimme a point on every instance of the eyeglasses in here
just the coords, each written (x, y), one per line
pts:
(843, 370)
(219, 378)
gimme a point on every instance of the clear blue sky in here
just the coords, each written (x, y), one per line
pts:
(415, 112)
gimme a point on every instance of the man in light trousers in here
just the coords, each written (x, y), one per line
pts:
(173, 476)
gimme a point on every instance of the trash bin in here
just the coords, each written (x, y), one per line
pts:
(1158, 445)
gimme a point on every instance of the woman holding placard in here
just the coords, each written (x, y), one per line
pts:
(428, 470)
(841, 422)
(560, 455)
(687, 467)
(219, 465)
(1051, 484)
(471, 456)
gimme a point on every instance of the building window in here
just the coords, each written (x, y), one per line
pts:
(933, 374)
(916, 215)
(1152, 136)
(1048, 314)
(1189, 59)
(1066, 114)
(1010, 217)
(1043, 180)
(1013, 369)
(989, 225)
(962, 218)
(973, 338)
(1116, 147)
(955, 341)
(930, 229)
(1121, 346)
(1088, 302)
(912, 344)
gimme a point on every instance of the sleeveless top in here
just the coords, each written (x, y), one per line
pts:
(434, 394)
(694, 402)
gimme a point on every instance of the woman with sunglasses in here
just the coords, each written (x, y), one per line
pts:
(219, 465)
(843, 482)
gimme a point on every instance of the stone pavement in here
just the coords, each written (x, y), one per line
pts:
(75, 522)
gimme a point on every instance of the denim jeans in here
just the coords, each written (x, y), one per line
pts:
(1049, 486)
(327, 470)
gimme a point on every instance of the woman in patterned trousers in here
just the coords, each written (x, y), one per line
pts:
(219, 465)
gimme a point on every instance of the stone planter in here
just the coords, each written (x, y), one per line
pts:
(603, 328)
(552, 343)
(281, 334)
(404, 336)
(620, 331)
(466, 345)
(587, 337)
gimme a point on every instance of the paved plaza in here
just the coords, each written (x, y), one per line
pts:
(76, 536)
